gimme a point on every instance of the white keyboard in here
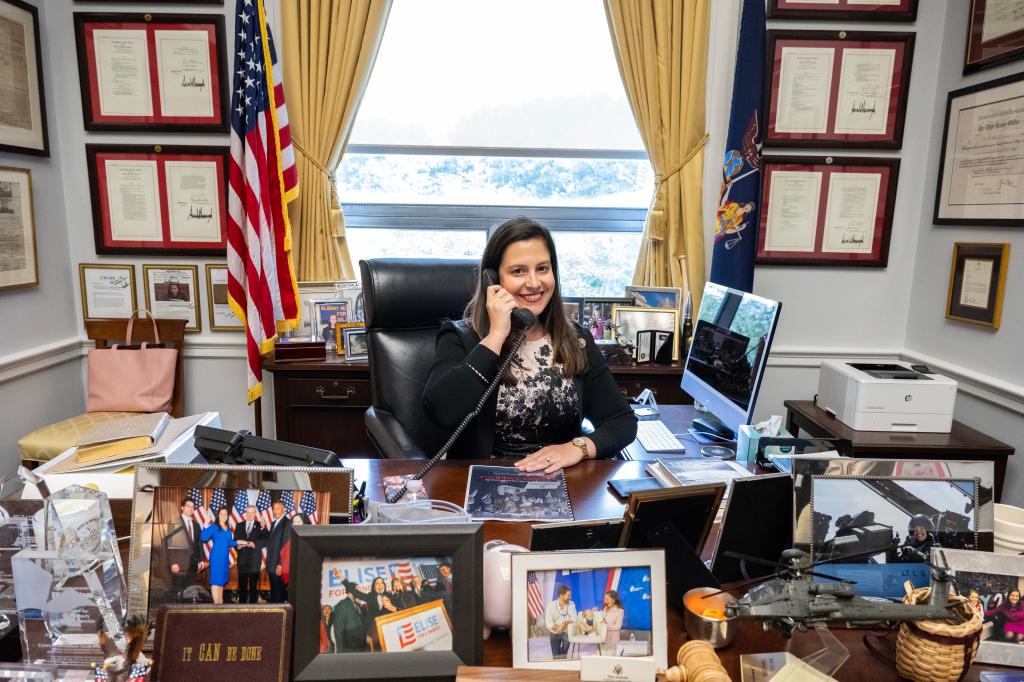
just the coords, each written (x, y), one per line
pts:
(656, 437)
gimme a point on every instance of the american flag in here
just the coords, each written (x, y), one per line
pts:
(262, 290)
(99, 674)
(263, 511)
(202, 515)
(138, 672)
(534, 600)
(403, 570)
(238, 508)
(308, 505)
(288, 498)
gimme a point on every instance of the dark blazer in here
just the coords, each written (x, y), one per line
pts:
(453, 389)
(249, 558)
(184, 551)
(276, 537)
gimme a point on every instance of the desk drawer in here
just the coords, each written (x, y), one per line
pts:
(328, 392)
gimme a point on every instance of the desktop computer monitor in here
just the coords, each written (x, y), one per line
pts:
(732, 335)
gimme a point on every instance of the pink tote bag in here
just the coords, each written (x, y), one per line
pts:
(122, 380)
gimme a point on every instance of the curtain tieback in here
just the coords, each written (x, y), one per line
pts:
(319, 166)
(656, 231)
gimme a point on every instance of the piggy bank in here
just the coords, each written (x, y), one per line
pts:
(498, 584)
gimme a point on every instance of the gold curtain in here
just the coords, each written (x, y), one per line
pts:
(329, 47)
(661, 47)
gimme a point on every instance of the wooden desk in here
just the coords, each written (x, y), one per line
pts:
(962, 442)
(321, 403)
(592, 499)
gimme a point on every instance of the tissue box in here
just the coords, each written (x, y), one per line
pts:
(746, 443)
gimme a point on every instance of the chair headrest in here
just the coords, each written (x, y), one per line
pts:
(415, 292)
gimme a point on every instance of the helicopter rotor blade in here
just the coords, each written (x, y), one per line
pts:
(740, 585)
(845, 557)
(753, 559)
(830, 577)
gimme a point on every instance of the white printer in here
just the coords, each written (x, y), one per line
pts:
(890, 396)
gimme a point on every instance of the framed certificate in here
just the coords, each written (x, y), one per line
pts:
(107, 290)
(995, 34)
(976, 282)
(222, 318)
(152, 72)
(827, 210)
(172, 291)
(837, 89)
(167, 200)
(981, 170)
(847, 10)
(18, 263)
(22, 107)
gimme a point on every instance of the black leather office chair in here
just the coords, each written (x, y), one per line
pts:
(406, 300)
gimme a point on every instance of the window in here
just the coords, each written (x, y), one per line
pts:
(478, 110)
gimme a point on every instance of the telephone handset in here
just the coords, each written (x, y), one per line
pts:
(522, 319)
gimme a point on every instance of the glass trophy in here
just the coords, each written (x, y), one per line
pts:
(78, 519)
(15, 535)
(64, 599)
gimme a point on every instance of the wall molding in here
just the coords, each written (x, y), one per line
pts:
(982, 386)
(32, 360)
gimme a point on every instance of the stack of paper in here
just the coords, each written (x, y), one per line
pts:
(110, 440)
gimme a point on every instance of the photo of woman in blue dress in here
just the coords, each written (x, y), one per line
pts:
(220, 560)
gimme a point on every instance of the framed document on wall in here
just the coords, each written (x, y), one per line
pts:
(827, 210)
(22, 108)
(995, 34)
(847, 10)
(152, 72)
(981, 170)
(154, 199)
(108, 290)
(172, 291)
(19, 266)
(976, 282)
(218, 310)
(837, 89)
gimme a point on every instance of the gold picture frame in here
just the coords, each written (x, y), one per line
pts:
(15, 188)
(171, 304)
(216, 316)
(108, 282)
(977, 283)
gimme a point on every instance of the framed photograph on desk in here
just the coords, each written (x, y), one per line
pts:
(977, 280)
(825, 210)
(980, 170)
(837, 88)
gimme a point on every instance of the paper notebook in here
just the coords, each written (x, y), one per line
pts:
(121, 436)
(507, 494)
(174, 429)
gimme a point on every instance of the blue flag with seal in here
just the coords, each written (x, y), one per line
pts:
(739, 202)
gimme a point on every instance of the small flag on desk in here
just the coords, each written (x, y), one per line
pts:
(737, 217)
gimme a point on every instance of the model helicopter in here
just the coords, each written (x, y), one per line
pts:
(789, 600)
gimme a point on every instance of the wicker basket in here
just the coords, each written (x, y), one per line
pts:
(937, 650)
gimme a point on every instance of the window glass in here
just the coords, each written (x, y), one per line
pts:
(374, 242)
(596, 263)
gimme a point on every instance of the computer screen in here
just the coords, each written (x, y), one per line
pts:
(731, 339)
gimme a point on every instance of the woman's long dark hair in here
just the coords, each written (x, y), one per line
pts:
(565, 340)
(615, 598)
(216, 518)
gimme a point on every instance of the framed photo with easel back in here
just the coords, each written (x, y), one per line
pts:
(980, 170)
(152, 72)
(995, 34)
(158, 199)
(824, 210)
(843, 10)
(977, 280)
(837, 88)
(23, 114)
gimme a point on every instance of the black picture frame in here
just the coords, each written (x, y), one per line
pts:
(843, 11)
(90, 117)
(311, 545)
(942, 214)
(44, 150)
(987, 311)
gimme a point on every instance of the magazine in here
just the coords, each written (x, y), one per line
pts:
(507, 494)
(679, 471)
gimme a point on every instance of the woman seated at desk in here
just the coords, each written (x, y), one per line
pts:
(557, 378)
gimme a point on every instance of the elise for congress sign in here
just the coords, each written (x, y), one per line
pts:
(422, 628)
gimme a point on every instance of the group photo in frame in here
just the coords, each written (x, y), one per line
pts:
(837, 88)
(23, 114)
(219, 312)
(167, 494)
(989, 581)
(982, 150)
(172, 292)
(19, 262)
(834, 211)
(108, 290)
(334, 565)
(158, 199)
(995, 34)
(843, 10)
(152, 72)
(573, 603)
(977, 282)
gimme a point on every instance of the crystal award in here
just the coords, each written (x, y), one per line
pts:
(15, 535)
(64, 599)
(78, 520)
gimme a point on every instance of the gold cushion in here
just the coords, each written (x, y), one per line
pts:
(47, 442)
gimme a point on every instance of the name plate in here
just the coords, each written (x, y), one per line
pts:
(617, 669)
(231, 641)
